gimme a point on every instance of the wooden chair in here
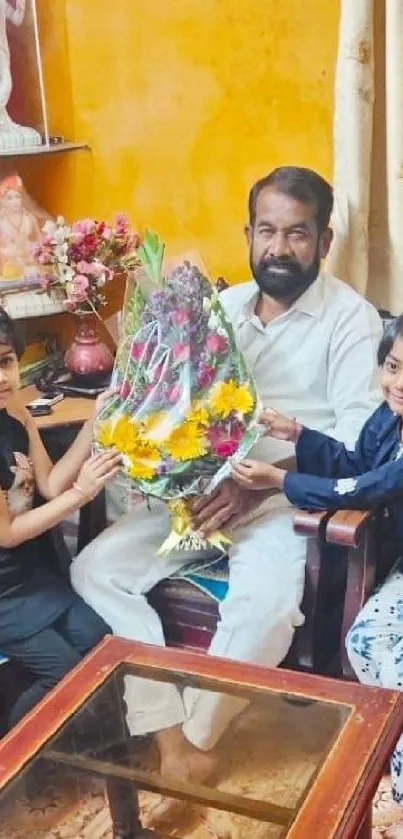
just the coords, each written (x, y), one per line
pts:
(346, 553)
(343, 561)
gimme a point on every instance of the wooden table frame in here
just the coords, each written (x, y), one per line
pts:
(338, 804)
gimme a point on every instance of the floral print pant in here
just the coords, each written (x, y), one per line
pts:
(375, 649)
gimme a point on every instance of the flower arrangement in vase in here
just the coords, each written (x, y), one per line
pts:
(81, 259)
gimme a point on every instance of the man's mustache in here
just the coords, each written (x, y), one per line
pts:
(284, 264)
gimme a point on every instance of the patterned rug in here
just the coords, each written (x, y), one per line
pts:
(258, 758)
(387, 816)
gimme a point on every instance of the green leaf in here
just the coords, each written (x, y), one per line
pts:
(151, 253)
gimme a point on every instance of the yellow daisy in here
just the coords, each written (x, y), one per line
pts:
(143, 460)
(186, 442)
(243, 400)
(228, 397)
(104, 433)
(124, 435)
(141, 469)
(198, 413)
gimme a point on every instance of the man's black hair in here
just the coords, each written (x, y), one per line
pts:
(393, 330)
(10, 334)
(302, 184)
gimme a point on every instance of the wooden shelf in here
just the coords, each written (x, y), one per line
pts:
(54, 148)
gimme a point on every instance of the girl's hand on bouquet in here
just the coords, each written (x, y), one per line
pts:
(253, 474)
(95, 473)
(279, 426)
(103, 399)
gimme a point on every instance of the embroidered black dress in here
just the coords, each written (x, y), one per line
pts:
(31, 596)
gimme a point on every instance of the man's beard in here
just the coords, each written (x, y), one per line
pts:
(288, 284)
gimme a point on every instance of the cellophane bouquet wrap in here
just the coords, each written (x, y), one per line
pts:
(185, 400)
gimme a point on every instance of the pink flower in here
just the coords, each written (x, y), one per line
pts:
(107, 233)
(122, 224)
(44, 258)
(216, 343)
(157, 372)
(205, 376)
(84, 226)
(224, 440)
(77, 296)
(137, 351)
(225, 449)
(108, 274)
(173, 394)
(95, 269)
(181, 352)
(83, 267)
(180, 317)
(125, 389)
(80, 283)
(237, 430)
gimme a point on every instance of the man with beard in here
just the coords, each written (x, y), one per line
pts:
(311, 344)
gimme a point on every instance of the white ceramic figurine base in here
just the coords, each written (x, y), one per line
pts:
(12, 135)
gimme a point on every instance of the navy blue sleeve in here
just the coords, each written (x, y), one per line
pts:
(371, 488)
(321, 455)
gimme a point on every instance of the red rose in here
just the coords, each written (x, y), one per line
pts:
(216, 343)
(137, 351)
(205, 376)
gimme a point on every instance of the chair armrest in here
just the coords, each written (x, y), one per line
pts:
(346, 527)
(309, 524)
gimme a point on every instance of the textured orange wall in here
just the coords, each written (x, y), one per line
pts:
(184, 104)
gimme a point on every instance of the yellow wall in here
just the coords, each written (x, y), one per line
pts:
(184, 104)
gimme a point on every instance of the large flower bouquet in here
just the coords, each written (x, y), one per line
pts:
(81, 258)
(185, 401)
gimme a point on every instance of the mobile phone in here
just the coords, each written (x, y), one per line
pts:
(48, 399)
(39, 410)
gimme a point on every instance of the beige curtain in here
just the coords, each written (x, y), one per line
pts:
(367, 250)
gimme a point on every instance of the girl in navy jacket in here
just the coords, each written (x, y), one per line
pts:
(330, 477)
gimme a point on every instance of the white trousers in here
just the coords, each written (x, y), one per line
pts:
(257, 617)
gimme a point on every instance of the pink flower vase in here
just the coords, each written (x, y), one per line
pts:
(87, 355)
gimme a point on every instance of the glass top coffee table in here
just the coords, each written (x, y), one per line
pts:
(302, 760)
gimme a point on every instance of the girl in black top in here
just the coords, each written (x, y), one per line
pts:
(44, 624)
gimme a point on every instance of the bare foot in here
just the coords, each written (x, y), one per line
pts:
(180, 761)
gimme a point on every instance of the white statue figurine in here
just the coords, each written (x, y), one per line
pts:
(12, 135)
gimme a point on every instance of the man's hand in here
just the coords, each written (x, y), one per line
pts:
(279, 426)
(255, 475)
(227, 503)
